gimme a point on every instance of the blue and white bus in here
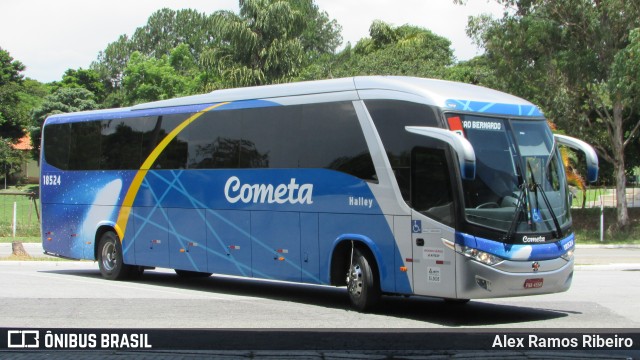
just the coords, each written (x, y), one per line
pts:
(385, 185)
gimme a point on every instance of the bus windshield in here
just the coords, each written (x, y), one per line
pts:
(519, 186)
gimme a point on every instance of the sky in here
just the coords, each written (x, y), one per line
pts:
(51, 36)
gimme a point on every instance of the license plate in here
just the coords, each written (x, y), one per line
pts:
(533, 283)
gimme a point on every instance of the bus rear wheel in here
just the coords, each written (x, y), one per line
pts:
(112, 266)
(362, 285)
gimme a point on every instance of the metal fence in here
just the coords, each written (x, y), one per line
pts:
(606, 197)
(19, 214)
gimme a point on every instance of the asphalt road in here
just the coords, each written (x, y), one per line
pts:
(67, 294)
(73, 294)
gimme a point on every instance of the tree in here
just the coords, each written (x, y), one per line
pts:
(477, 71)
(10, 159)
(81, 78)
(577, 59)
(404, 50)
(11, 123)
(13, 118)
(150, 79)
(165, 30)
(259, 46)
(112, 61)
(63, 100)
(289, 34)
(321, 35)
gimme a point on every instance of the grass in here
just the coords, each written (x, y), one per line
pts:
(586, 224)
(27, 218)
(24, 239)
(32, 258)
(593, 196)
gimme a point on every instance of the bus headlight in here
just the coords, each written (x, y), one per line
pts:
(568, 255)
(480, 256)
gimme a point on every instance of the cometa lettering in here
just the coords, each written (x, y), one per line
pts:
(292, 193)
(535, 239)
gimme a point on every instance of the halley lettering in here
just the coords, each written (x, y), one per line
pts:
(292, 193)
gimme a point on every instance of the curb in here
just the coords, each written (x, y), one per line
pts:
(609, 246)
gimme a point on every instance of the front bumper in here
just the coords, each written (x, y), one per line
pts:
(478, 281)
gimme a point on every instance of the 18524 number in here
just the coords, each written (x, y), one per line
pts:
(51, 180)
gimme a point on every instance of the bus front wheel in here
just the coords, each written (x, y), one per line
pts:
(362, 285)
(112, 267)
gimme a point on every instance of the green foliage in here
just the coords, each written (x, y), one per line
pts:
(321, 35)
(11, 159)
(165, 30)
(17, 96)
(27, 224)
(12, 122)
(586, 223)
(476, 71)
(269, 41)
(259, 46)
(150, 79)
(10, 69)
(63, 100)
(88, 79)
(112, 61)
(405, 50)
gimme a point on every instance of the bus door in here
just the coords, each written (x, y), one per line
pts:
(432, 223)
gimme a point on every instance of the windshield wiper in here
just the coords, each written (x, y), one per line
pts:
(523, 199)
(516, 216)
(535, 187)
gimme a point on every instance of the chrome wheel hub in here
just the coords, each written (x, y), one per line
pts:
(354, 280)
(109, 261)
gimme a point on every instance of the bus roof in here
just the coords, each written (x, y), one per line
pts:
(434, 91)
(442, 93)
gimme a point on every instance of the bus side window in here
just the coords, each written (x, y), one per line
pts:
(431, 192)
(215, 140)
(390, 118)
(84, 150)
(331, 138)
(57, 138)
(174, 156)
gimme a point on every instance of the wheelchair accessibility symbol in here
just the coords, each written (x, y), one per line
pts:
(416, 226)
(536, 215)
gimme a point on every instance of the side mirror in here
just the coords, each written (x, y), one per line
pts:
(592, 157)
(462, 147)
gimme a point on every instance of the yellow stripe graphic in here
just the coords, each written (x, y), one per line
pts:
(132, 192)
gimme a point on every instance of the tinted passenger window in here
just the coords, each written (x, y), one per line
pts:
(174, 155)
(215, 140)
(84, 149)
(270, 137)
(298, 136)
(431, 184)
(390, 118)
(56, 145)
(302, 136)
(331, 137)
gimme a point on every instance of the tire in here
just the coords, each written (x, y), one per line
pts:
(112, 267)
(192, 274)
(362, 283)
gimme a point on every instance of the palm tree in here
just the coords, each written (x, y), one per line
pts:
(259, 46)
